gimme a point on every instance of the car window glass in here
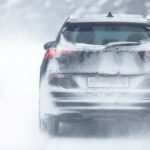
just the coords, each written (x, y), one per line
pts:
(98, 34)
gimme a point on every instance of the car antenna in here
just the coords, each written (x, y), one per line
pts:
(110, 15)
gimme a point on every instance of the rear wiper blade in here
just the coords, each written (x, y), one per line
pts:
(125, 43)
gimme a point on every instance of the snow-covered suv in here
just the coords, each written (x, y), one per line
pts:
(97, 68)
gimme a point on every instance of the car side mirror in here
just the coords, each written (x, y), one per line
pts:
(49, 45)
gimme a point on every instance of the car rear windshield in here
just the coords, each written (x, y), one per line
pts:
(104, 33)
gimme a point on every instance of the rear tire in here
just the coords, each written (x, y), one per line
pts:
(53, 126)
(42, 125)
(49, 123)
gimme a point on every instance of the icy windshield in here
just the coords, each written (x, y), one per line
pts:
(104, 33)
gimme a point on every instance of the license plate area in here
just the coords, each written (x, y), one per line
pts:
(107, 82)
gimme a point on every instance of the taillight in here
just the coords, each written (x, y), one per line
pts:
(144, 54)
(62, 54)
(66, 52)
(49, 54)
(147, 53)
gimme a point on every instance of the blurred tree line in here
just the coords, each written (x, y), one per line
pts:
(43, 18)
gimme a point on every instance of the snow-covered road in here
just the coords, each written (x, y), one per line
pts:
(19, 65)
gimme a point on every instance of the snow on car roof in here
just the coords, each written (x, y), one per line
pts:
(125, 18)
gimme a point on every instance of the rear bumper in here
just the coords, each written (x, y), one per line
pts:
(80, 115)
(104, 105)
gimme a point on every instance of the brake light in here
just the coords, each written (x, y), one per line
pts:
(66, 52)
(144, 54)
(49, 54)
(62, 54)
(147, 53)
